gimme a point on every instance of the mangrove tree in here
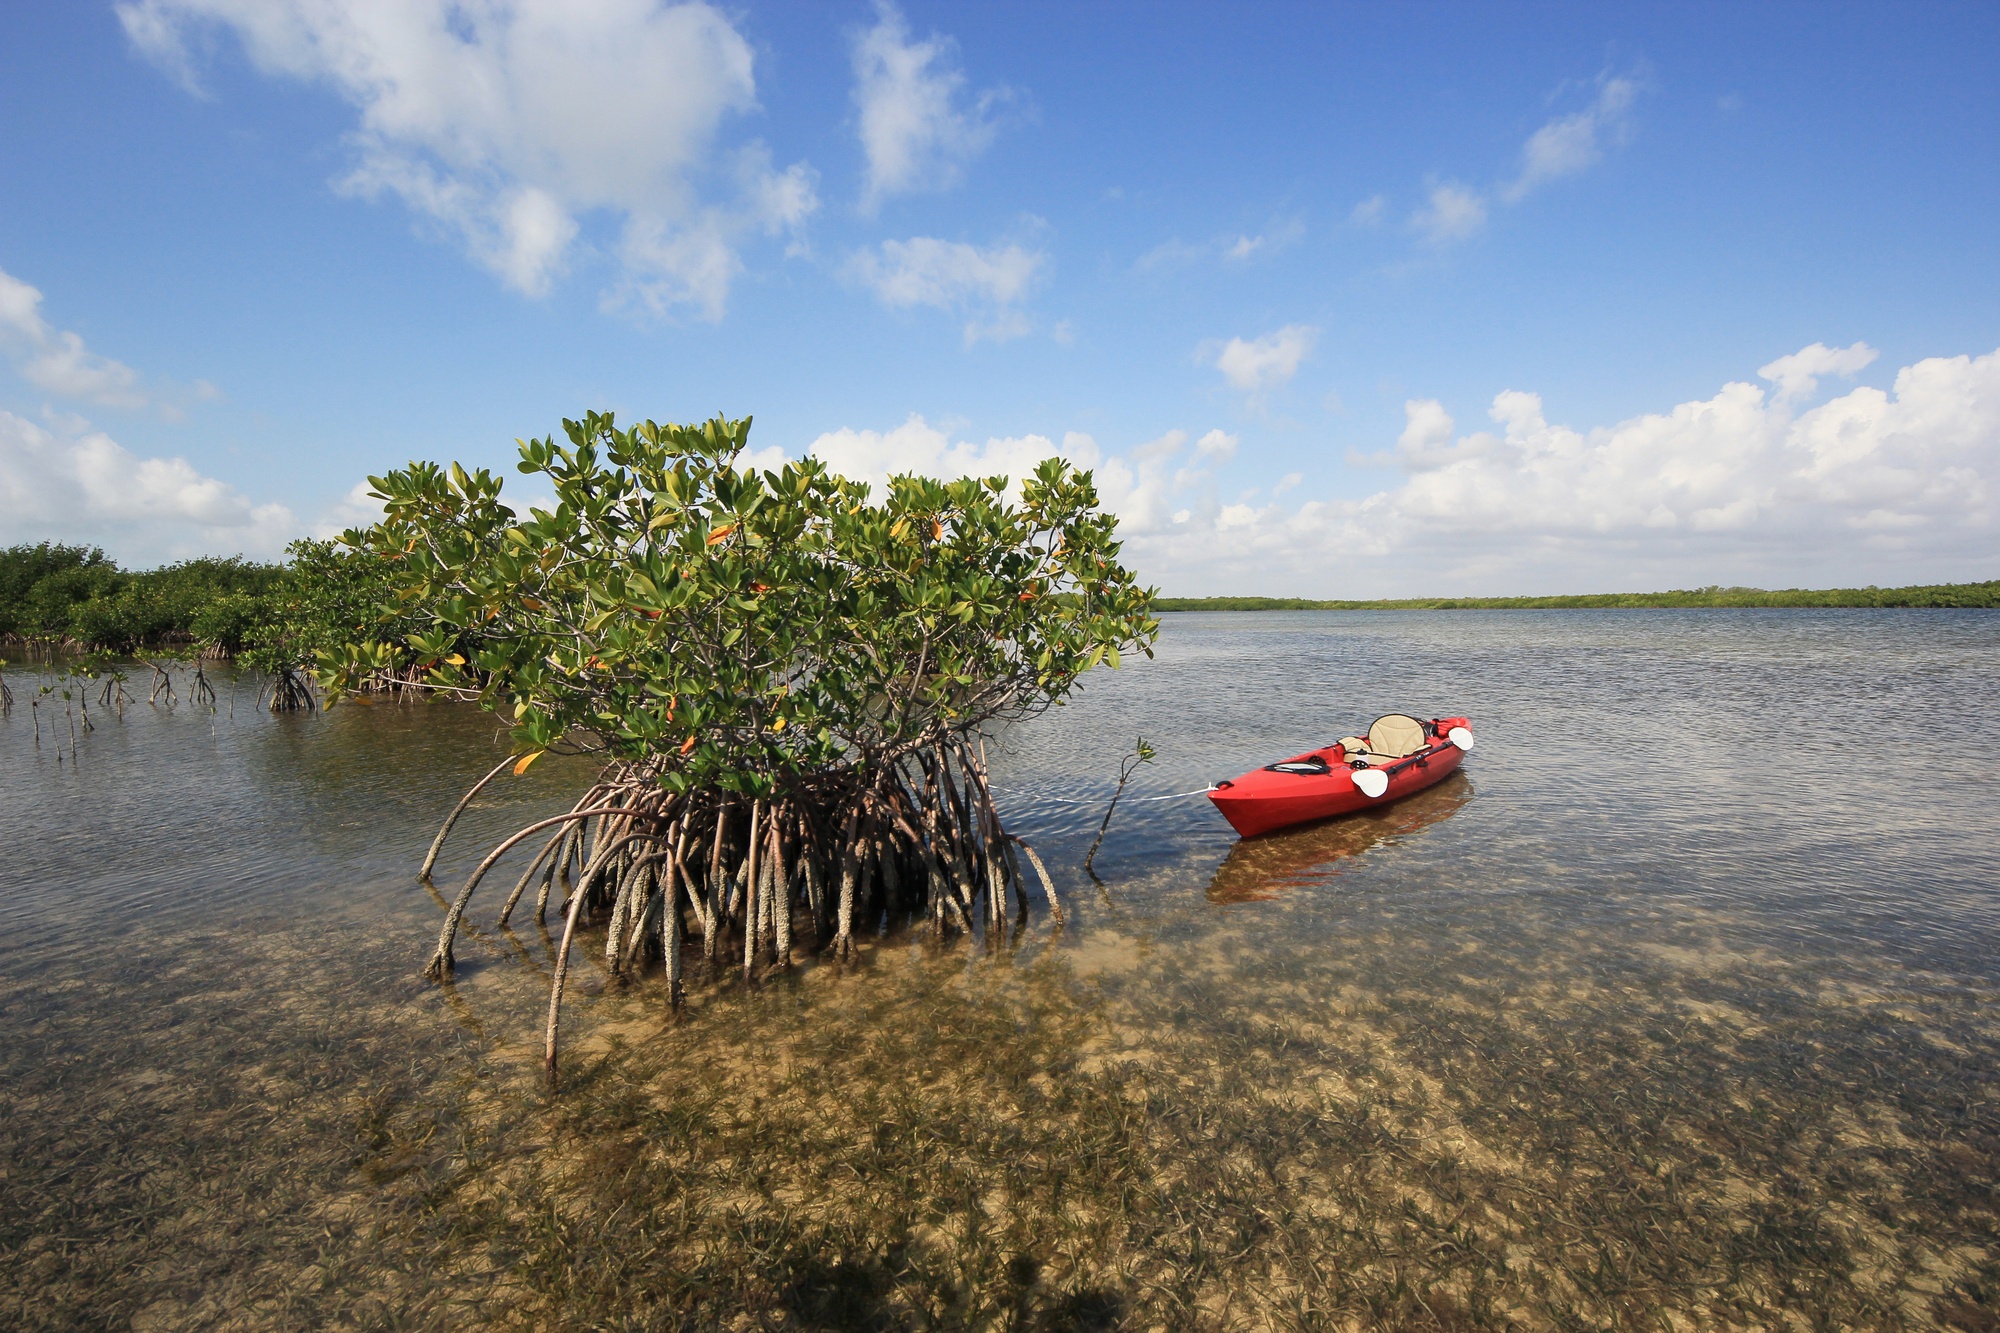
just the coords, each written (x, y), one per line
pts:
(789, 682)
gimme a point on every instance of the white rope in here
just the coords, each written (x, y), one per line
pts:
(1198, 791)
(1136, 800)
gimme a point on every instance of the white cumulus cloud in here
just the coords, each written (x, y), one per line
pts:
(1750, 485)
(75, 484)
(1797, 376)
(985, 284)
(1747, 486)
(919, 448)
(915, 129)
(509, 122)
(1261, 364)
(1218, 445)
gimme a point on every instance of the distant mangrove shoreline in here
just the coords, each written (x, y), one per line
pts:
(274, 619)
(275, 615)
(1985, 595)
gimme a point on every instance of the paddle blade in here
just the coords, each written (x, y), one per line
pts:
(1372, 781)
(1460, 736)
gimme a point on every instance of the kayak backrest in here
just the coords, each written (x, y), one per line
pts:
(1396, 735)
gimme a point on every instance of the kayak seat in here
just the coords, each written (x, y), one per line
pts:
(1396, 735)
(1354, 750)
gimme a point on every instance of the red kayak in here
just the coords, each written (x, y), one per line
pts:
(1399, 755)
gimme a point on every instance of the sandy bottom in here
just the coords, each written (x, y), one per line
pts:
(1139, 1127)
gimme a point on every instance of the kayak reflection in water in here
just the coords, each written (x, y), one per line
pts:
(1277, 863)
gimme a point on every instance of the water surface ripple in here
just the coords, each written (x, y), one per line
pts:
(1674, 1009)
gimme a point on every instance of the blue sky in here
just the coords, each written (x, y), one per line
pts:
(1336, 300)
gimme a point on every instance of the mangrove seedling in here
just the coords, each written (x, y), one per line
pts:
(1142, 753)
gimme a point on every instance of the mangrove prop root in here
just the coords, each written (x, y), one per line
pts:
(557, 873)
(556, 988)
(199, 690)
(541, 859)
(1048, 885)
(912, 838)
(291, 691)
(750, 896)
(566, 844)
(1014, 872)
(670, 928)
(440, 965)
(646, 899)
(781, 879)
(163, 683)
(465, 801)
(850, 869)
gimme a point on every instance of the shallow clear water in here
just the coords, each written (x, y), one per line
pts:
(1674, 1008)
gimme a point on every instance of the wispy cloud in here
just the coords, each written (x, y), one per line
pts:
(1565, 146)
(1453, 213)
(1169, 254)
(1231, 247)
(917, 130)
(1274, 238)
(57, 361)
(1574, 143)
(986, 285)
(508, 123)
